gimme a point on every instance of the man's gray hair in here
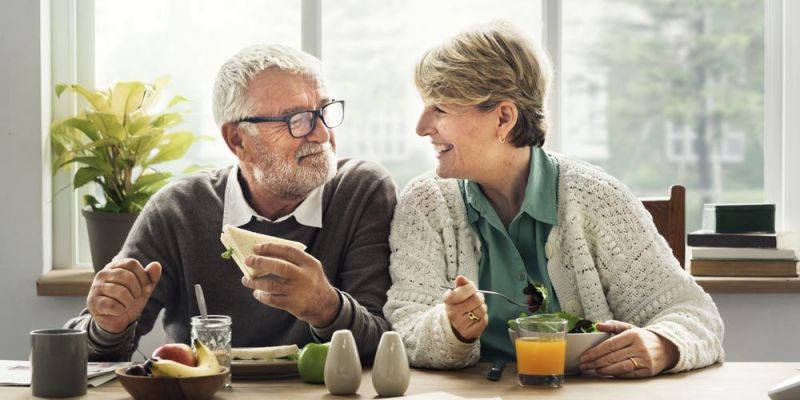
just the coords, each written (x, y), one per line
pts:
(230, 90)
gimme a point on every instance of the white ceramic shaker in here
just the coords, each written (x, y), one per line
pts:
(390, 373)
(343, 367)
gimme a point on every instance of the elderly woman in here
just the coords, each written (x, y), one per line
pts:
(516, 214)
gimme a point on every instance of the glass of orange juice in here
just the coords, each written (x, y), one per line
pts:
(541, 346)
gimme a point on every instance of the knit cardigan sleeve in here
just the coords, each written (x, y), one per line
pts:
(644, 283)
(430, 245)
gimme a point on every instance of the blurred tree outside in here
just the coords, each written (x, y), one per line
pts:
(684, 90)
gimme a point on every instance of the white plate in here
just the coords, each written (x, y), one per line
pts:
(258, 369)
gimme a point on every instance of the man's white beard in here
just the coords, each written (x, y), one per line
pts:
(294, 181)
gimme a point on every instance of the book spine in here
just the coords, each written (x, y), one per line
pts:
(730, 253)
(736, 268)
(738, 241)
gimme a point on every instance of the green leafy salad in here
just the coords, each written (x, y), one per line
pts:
(575, 324)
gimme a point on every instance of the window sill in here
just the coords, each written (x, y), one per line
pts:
(65, 282)
(76, 282)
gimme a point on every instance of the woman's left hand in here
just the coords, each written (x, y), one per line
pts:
(632, 353)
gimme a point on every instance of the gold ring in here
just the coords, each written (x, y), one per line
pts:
(471, 315)
(635, 364)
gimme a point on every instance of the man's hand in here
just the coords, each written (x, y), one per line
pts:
(632, 353)
(292, 280)
(120, 291)
(466, 310)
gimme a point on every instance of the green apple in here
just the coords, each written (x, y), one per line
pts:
(311, 363)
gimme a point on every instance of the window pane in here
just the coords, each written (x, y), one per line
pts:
(668, 92)
(188, 40)
(369, 62)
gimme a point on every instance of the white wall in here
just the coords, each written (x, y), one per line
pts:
(24, 224)
(758, 327)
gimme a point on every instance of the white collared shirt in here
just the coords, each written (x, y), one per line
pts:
(237, 212)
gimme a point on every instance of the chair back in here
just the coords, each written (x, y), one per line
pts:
(669, 216)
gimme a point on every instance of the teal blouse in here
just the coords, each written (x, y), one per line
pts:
(511, 257)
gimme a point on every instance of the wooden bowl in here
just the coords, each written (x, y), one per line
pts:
(152, 388)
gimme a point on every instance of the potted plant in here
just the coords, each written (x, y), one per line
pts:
(116, 141)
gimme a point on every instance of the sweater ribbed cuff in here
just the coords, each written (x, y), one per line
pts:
(343, 320)
(104, 340)
(661, 329)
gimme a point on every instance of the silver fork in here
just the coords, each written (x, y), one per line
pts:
(506, 298)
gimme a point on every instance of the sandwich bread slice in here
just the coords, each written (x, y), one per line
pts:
(239, 244)
(272, 353)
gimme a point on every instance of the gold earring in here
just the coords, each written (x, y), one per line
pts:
(501, 139)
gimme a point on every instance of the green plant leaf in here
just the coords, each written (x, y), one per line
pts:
(97, 99)
(91, 201)
(173, 148)
(168, 119)
(137, 124)
(90, 161)
(143, 145)
(84, 176)
(60, 89)
(126, 97)
(154, 92)
(108, 125)
(115, 139)
(82, 125)
(196, 168)
(135, 202)
(176, 100)
(146, 180)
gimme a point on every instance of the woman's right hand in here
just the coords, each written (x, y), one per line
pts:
(466, 310)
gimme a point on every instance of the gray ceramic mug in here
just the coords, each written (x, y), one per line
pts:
(58, 362)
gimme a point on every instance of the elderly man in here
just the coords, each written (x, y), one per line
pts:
(275, 115)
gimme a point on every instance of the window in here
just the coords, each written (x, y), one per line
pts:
(655, 93)
(662, 93)
(187, 40)
(370, 50)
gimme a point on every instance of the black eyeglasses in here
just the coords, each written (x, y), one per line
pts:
(301, 123)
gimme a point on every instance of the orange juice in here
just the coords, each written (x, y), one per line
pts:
(540, 357)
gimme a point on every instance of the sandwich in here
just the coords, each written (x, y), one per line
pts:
(267, 354)
(239, 244)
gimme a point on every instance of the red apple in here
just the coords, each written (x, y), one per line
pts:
(178, 352)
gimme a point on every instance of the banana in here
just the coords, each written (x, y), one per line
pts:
(207, 364)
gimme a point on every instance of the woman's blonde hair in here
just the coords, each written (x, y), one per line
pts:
(486, 65)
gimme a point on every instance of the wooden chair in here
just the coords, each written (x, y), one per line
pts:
(669, 216)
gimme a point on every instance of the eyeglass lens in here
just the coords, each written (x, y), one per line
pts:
(301, 124)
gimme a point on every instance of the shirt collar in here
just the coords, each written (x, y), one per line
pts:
(541, 192)
(237, 212)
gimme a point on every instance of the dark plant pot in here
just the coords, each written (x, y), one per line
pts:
(107, 234)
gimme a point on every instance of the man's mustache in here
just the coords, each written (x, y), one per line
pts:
(307, 149)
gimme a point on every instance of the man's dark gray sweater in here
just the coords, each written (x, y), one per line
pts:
(180, 228)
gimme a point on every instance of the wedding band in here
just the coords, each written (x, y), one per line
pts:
(635, 364)
(471, 315)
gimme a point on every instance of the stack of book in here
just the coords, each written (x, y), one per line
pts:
(740, 240)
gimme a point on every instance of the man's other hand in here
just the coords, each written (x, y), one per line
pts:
(120, 291)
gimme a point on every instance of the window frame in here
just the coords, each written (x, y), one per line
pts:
(72, 60)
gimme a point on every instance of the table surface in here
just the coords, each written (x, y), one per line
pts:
(729, 381)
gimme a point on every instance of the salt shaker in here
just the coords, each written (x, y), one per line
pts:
(343, 367)
(390, 373)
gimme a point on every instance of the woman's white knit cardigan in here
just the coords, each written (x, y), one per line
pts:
(606, 261)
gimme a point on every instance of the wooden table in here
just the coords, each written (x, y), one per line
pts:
(729, 381)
